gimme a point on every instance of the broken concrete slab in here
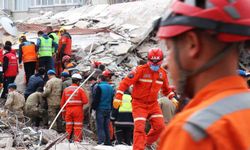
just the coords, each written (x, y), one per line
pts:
(121, 49)
(6, 140)
(82, 24)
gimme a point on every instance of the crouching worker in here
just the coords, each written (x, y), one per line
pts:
(35, 108)
(73, 114)
(123, 120)
(15, 102)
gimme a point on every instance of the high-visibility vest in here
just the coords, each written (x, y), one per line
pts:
(12, 69)
(45, 48)
(29, 52)
(56, 39)
(126, 104)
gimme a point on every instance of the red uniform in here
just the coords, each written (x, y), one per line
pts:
(74, 110)
(147, 84)
(65, 39)
(12, 69)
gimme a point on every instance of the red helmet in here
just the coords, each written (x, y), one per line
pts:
(155, 56)
(96, 64)
(65, 58)
(229, 19)
(106, 73)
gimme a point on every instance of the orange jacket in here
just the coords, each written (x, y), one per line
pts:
(79, 98)
(147, 84)
(222, 129)
(65, 39)
(29, 53)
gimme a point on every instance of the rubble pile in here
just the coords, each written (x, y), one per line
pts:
(127, 32)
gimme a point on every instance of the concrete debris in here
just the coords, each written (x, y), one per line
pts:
(121, 49)
(117, 147)
(6, 140)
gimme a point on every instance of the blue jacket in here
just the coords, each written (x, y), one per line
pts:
(103, 96)
(35, 81)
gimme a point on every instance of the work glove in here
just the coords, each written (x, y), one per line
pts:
(117, 103)
(175, 102)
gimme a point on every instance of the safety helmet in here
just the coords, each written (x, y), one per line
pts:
(65, 74)
(51, 72)
(155, 56)
(62, 29)
(243, 73)
(106, 73)
(12, 85)
(65, 58)
(21, 37)
(76, 76)
(229, 20)
(96, 64)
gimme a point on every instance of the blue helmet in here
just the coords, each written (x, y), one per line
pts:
(51, 72)
(243, 73)
(65, 74)
(12, 85)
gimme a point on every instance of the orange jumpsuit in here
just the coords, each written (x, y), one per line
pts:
(74, 111)
(147, 84)
(216, 118)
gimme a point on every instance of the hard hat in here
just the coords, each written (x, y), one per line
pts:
(228, 19)
(106, 73)
(76, 76)
(61, 29)
(65, 74)
(51, 72)
(21, 37)
(96, 64)
(155, 56)
(65, 58)
(12, 85)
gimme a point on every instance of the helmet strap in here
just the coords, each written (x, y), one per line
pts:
(185, 74)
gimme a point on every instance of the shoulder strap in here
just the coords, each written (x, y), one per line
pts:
(197, 124)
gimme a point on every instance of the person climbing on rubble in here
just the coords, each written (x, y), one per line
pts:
(147, 80)
(35, 81)
(102, 104)
(203, 38)
(36, 109)
(15, 102)
(52, 92)
(73, 112)
(123, 120)
(27, 55)
(10, 69)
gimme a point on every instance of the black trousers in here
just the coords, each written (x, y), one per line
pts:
(124, 134)
(29, 68)
(6, 82)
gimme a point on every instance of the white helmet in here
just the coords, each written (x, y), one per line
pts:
(76, 76)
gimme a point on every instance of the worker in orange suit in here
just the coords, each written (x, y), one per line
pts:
(73, 112)
(147, 80)
(203, 39)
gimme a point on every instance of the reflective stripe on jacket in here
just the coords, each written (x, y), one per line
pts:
(45, 48)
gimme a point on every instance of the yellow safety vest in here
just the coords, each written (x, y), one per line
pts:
(126, 103)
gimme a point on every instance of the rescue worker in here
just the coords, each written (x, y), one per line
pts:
(10, 69)
(67, 64)
(35, 108)
(66, 79)
(203, 39)
(1, 65)
(8, 43)
(15, 102)
(27, 55)
(74, 114)
(45, 47)
(53, 35)
(147, 80)
(102, 104)
(52, 92)
(168, 109)
(35, 81)
(123, 120)
(64, 48)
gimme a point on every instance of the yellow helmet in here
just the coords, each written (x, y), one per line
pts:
(61, 29)
(21, 37)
